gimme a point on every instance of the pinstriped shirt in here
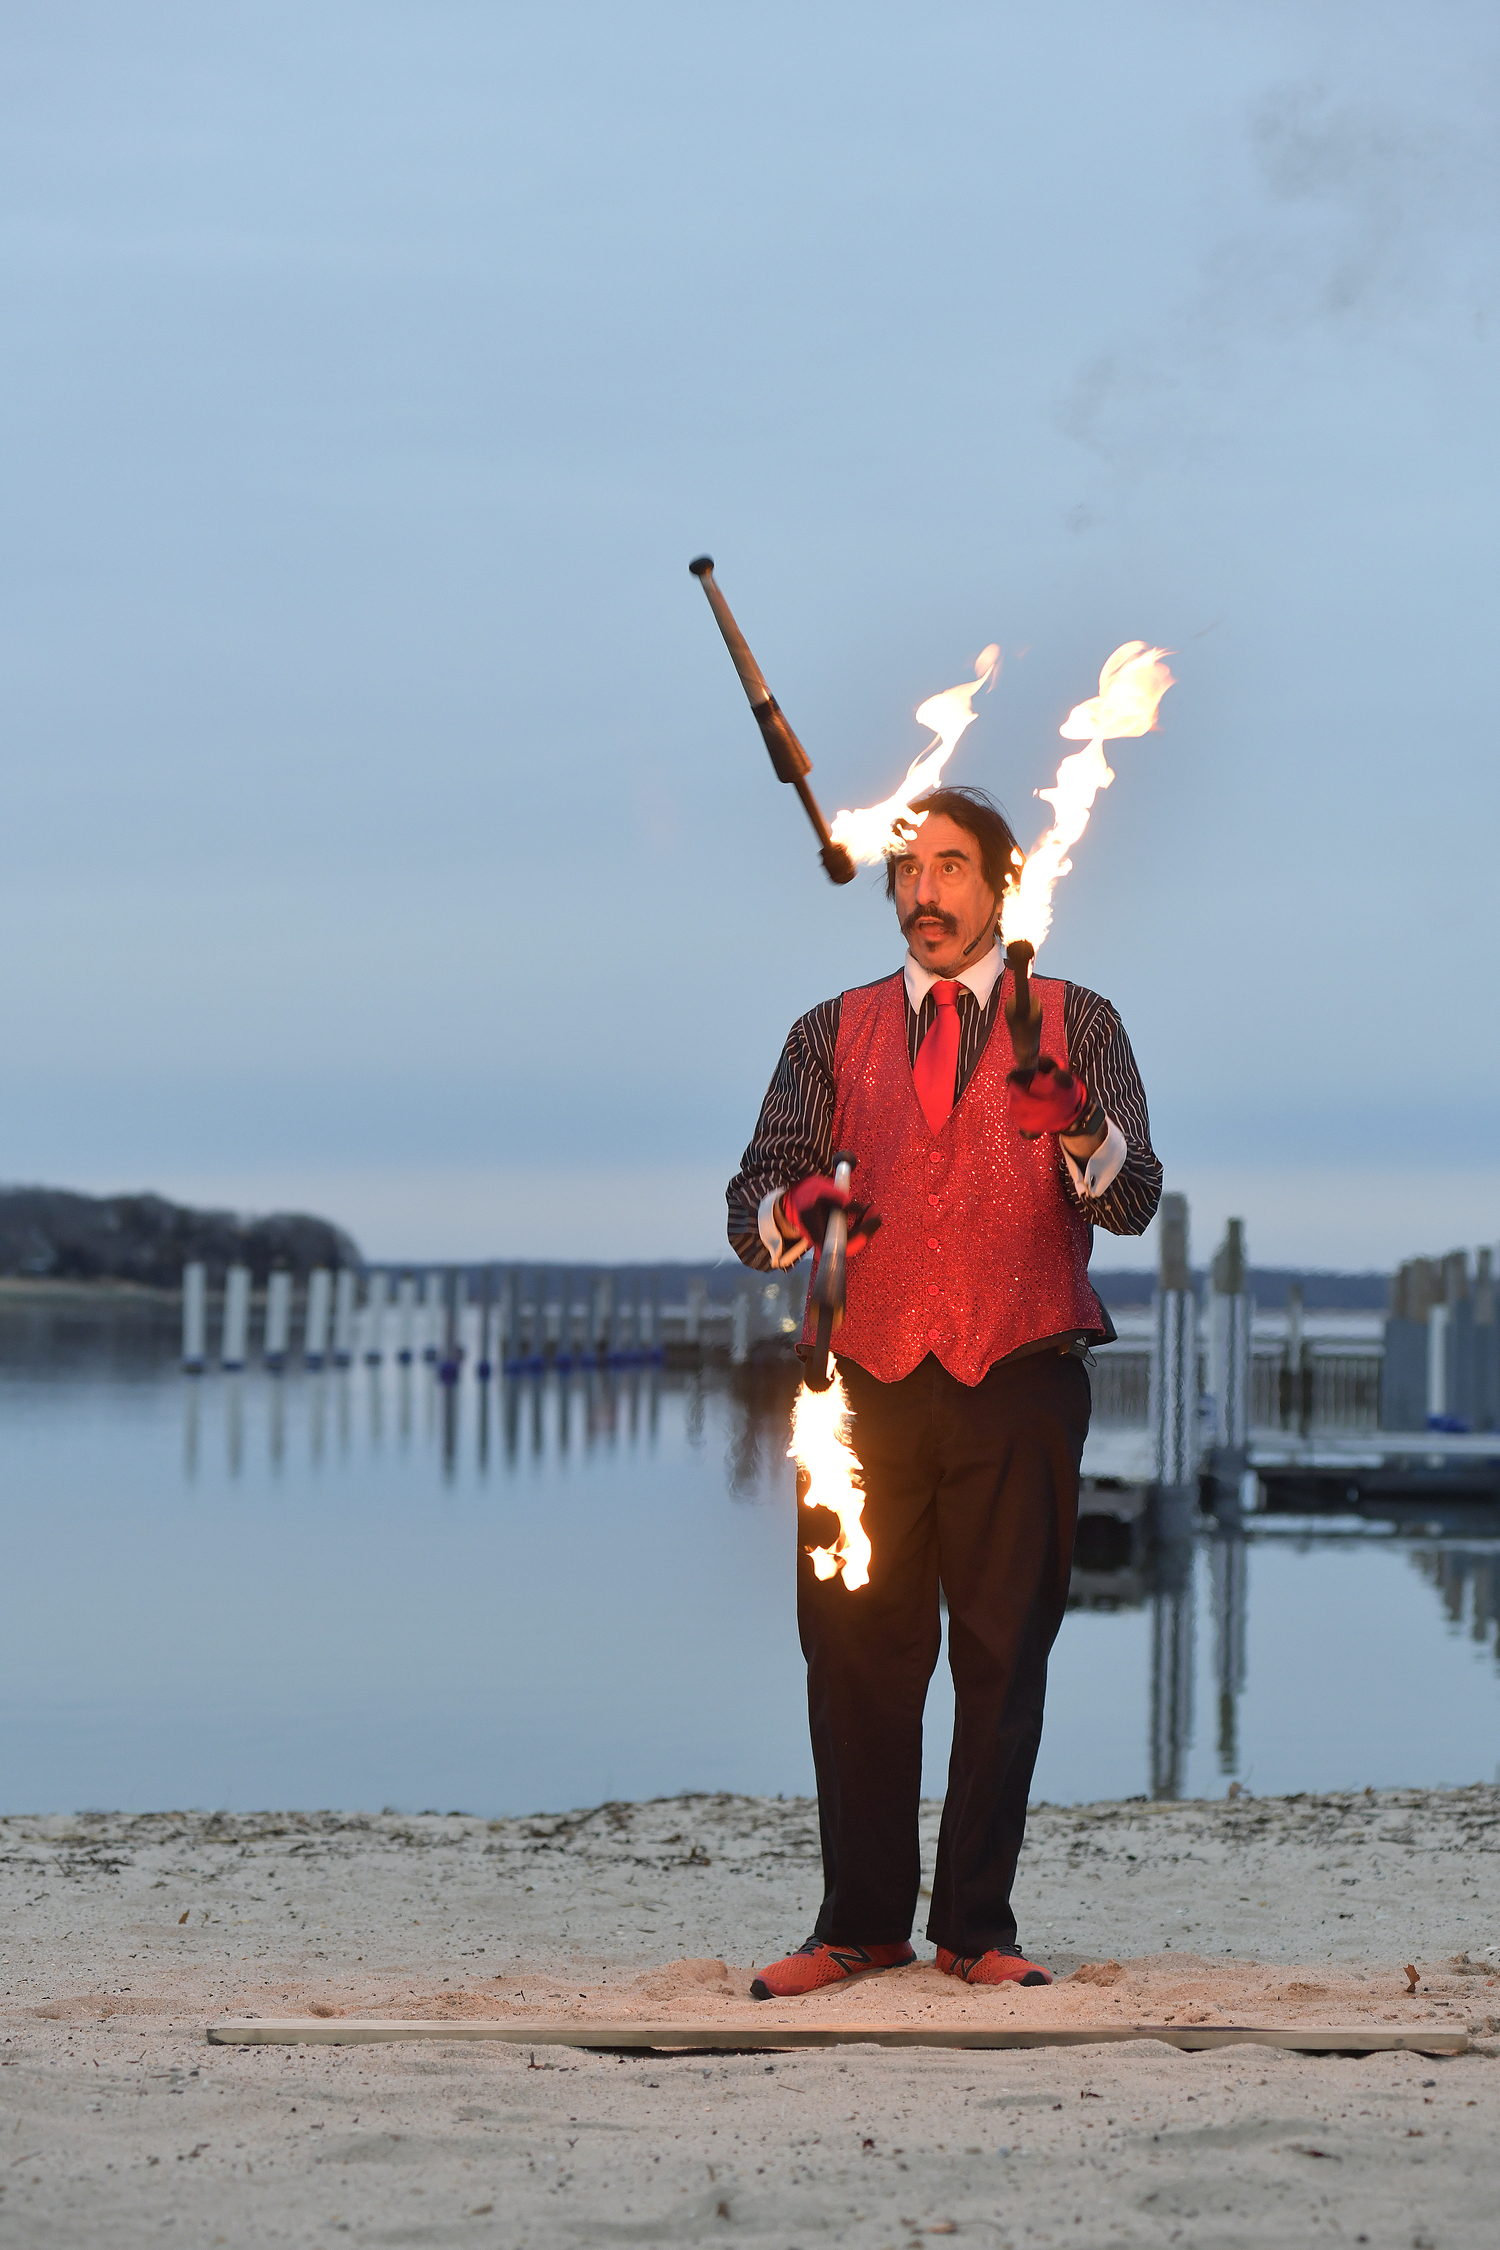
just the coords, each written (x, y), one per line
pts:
(794, 1133)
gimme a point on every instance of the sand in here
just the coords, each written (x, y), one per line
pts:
(123, 1937)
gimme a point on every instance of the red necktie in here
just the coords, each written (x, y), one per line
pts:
(936, 1070)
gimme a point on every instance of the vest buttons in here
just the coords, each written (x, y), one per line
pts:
(934, 1335)
(933, 1289)
(933, 1242)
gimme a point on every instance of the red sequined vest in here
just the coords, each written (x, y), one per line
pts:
(981, 1250)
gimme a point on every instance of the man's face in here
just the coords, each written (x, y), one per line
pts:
(943, 902)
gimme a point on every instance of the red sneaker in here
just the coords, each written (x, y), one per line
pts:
(813, 1965)
(991, 1968)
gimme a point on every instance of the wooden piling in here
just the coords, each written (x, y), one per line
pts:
(1174, 1353)
(278, 1319)
(374, 1322)
(235, 1342)
(1231, 1314)
(319, 1313)
(194, 1318)
(343, 1317)
(450, 1358)
(432, 1311)
(1296, 1398)
(406, 1318)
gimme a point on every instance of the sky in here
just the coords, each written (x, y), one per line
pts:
(386, 832)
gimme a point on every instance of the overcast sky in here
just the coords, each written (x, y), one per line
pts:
(385, 829)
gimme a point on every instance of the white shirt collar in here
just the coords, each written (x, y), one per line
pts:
(980, 979)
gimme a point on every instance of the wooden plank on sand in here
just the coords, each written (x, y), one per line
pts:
(1307, 2039)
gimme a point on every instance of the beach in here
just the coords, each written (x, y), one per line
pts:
(127, 1935)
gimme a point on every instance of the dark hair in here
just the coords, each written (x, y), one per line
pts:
(976, 811)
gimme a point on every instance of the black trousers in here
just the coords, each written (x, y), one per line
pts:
(974, 1489)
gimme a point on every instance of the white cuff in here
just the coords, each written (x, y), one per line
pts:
(781, 1252)
(1092, 1178)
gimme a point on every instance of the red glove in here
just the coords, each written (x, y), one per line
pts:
(1046, 1100)
(809, 1203)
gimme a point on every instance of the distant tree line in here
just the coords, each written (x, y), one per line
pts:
(1322, 1290)
(54, 1234)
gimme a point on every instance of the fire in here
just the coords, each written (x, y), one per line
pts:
(866, 834)
(1131, 686)
(820, 1445)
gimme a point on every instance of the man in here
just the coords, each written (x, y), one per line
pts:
(962, 1354)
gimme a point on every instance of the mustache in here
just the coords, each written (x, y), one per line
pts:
(949, 922)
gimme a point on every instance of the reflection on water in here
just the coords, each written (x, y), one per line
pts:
(1173, 1634)
(1126, 1560)
(1230, 1580)
(1468, 1586)
(506, 1425)
(379, 1568)
(1463, 1570)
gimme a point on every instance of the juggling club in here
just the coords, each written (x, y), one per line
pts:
(790, 760)
(828, 1289)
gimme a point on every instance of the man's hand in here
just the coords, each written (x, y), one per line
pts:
(806, 1208)
(1046, 1100)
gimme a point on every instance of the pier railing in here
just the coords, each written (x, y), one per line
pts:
(1330, 1382)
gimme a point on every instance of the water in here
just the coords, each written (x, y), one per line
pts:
(355, 1589)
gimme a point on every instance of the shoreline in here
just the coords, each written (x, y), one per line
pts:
(39, 1289)
(1144, 1910)
(126, 1935)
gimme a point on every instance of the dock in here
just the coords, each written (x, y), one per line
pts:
(1205, 1400)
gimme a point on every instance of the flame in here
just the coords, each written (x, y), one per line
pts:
(1131, 686)
(867, 835)
(820, 1445)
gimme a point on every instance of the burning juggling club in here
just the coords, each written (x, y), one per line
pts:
(1023, 1014)
(1023, 1010)
(790, 760)
(828, 1284)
